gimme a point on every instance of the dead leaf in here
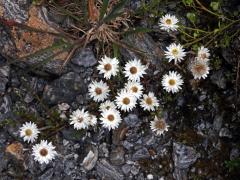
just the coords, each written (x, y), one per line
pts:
(16, 149)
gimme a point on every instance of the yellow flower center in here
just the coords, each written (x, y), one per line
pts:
(172, 82)
(126, 101)
(98, 91)
(80, 119)
(44, 152)
(160, 124)
(110, 117)
(149, 101)
(107, 67)
(28, 132)
(134, 89)
(175, 51)
(168, 21)
(133, 70)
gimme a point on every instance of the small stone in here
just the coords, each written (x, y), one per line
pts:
(149, 176)
(84, 57)
(126, 169)
(141, 154)
(132, 120)
(90, 160)
(117, 156)
(134, 170)
(224, 132)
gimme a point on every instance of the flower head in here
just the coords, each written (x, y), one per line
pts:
(44, 152)
(110, 119)
(159, 126)
(125, 100)
(134, 70)
(203, 54)
(108, 67)
(175, 52)
(98, 91)
(92, 120)
(107, 105)
(168, 23)
(199, 69)
(135, 88)
(149, 102)
(80, 119)
(29, 132)
(172, 82)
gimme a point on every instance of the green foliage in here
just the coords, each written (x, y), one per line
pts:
(233, 165)
(215, 5)
(187, 2)
(103, 9)
(192, 17)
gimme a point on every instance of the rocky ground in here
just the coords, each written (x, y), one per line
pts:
(202, 141)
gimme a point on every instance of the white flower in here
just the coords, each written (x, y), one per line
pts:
(175, 52)
(108, 67)
(134, 70)
(63, 107)
(44, 152)
(135, 88)
(107, 105)
(172, 82)
(199, 69)
(203, 53)
(168, 23)
(159, 126)
(149, 102)
(80, 119)
(98, 91)
(110, 119)
(92, 120)
(125, 100)
(29, 132)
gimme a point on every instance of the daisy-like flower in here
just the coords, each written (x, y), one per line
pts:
(175, 52)
(135, 88)
(29, 132)
(110, 119)
(108, 67)
(199, 69)
(107, 105)
(80, 119)
(168, 23)
(172, 82)
(98, 91)
(125, 100)
(92, 120)
(134, 70)
(149, 102)
(159, 126)
(203, 54)
(44, 152)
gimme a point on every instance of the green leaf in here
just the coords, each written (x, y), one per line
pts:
(215, 6)
(187, 2)
(116, 53)
(115, 11)
(192, 17)
(137, 30)
(103, 10)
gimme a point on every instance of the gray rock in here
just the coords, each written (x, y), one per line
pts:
(234, 153)
(184, 156)
(127, 145)
(225, 132)
(65, 89)
(84, 57)
(5, 104)
(126, 169)
(90, 160)
(135, 170)
(117, 156)
(217, 122)
(107, 171)
(4, 74)
(132, 120)
(219, 79)
(141, 154)
(6, 44)
(16, 10)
